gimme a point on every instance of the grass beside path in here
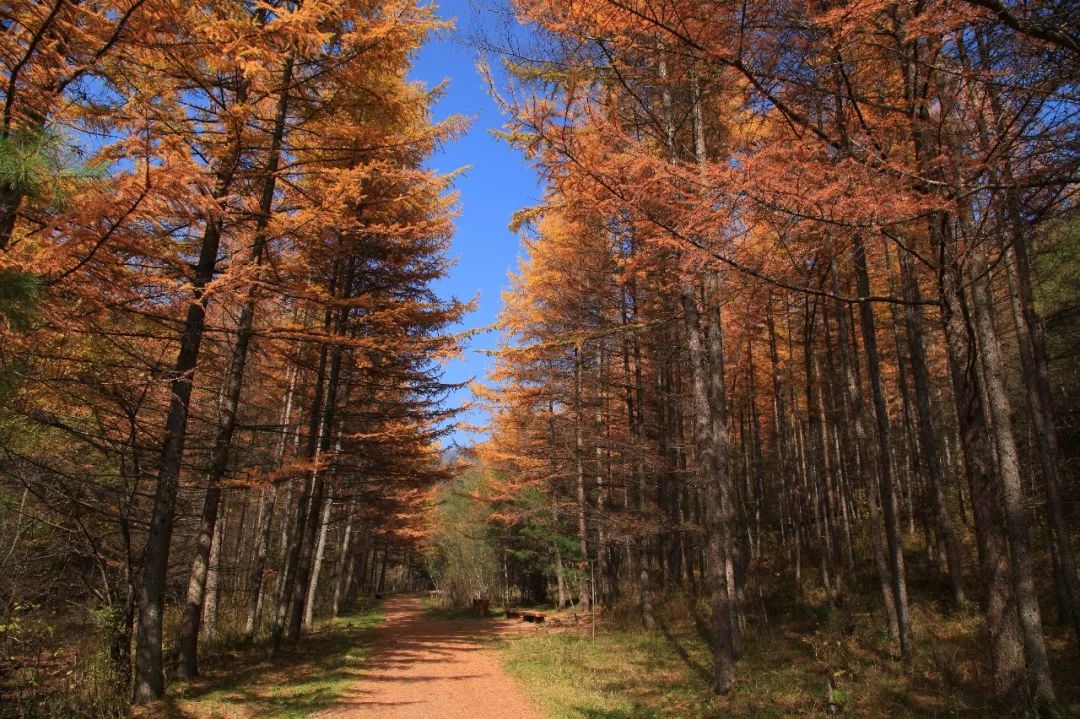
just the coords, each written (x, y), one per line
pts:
(617, 675)
(785, 671)
(246, 684)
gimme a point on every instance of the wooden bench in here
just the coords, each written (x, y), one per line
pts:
(534, 617)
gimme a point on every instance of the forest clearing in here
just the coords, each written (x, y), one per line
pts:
(594, 359)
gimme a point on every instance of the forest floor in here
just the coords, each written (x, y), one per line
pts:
(407, 660)
(398, 663)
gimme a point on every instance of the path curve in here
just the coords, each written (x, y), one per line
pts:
(422, 667)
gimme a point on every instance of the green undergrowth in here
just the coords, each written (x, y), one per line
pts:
(438, 610)
(246, 683)
(618, 675)
(818, 661)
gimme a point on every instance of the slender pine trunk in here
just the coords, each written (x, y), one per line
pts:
(885, 464)
(712, 473)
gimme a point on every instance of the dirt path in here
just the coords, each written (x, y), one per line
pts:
(430, 668)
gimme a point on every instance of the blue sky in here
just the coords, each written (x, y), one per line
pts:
(497, 183)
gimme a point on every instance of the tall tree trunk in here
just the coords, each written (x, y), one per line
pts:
(815, 448)
(1011, 485)
(598, 575)
(560, 580)
(307, 530)
(885, 466)
(836, 417)
(266, 528)
(316, 569)
(713, 476)
(267, 504)
(634, 391)
(213, 581)
(1002, 622)
(579, 462)
(714, 352)
(856, 414)
(780, 423)
(340, 579)
(915, 328)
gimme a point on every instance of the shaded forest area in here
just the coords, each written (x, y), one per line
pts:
(790, 358)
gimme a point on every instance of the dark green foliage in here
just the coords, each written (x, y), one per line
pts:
(19, 292)
(1057, 296)
(44, 167)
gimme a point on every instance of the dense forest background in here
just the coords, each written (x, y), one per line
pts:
(797, 319)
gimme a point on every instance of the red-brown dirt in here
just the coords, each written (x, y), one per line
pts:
(422, 667)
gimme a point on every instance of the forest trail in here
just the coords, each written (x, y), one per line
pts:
(422, 667)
